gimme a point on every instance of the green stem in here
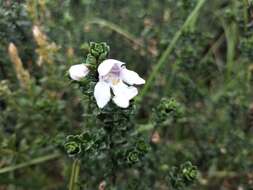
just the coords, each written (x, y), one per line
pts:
(114, 162)
(163, 59)
(114, 28)
(29, 163)
(231, 32)
(245, 13)
(74, 174)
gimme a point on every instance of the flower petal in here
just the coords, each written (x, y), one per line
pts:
(105, 67)
(122, 90)
(131, 77)
(77, 72)
(102, 93)
(121, 101)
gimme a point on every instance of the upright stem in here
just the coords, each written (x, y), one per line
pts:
(113, 163)
(111, 156)
(74, 174)
(245, 13)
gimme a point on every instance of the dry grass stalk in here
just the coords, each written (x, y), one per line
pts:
(45, 49)
(22, 74)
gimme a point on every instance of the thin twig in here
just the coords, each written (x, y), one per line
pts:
(120, 31)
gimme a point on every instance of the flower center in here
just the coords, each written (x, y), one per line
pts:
(113, 76)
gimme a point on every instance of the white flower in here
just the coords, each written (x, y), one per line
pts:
(114, 75)
(77, 72)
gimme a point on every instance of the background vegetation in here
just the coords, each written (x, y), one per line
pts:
(196, 107)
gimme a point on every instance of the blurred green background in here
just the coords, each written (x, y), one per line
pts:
(198, 52)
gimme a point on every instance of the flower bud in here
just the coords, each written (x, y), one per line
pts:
(133, 157)
(99, 50)
(184, 175)
(77, 72)
(73, 145)
(189, 172)
(73, 148)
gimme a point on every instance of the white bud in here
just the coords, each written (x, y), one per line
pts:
(77, 72)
